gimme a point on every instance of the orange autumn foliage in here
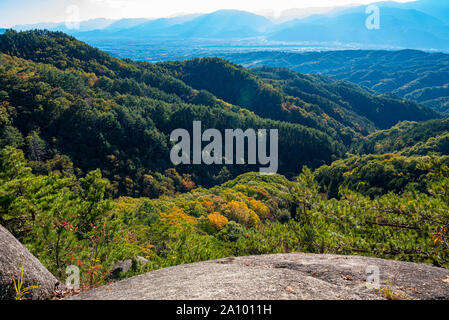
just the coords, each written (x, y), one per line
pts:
(178, 217)
(209, 205)
(217, 220)
(239, 212)
(260, 208)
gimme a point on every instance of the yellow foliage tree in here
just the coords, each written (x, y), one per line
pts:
(239, 212)
(260, 208)
(217, 221)
(177, 217)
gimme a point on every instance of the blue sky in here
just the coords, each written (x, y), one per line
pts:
(13, 12)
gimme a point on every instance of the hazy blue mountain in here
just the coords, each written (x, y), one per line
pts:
(84, 26)
(43, 25)
(148, 28)
(301, 13)
(436, 8)
(217, 25)
(226, 24)
(422, 25)
(398, 28)
(125, 24)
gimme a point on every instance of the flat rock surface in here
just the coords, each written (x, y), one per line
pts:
(281, 276)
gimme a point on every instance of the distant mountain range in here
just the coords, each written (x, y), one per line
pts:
(217, 25)
(89, 25)
(399, 28)
(422, 25)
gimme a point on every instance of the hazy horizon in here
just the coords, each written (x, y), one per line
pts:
(21, 12)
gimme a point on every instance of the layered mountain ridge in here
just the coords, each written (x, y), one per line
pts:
(422, 24)
(63, 97)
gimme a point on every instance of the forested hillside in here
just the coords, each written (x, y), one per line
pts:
(65, 220)
(377, 175)
(413, 75)
(62, 98)
(408, 138)
(86, 176)
(283, 94)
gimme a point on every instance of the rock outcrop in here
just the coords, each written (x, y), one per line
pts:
(119, 268)
(12, 256)
(283, 276)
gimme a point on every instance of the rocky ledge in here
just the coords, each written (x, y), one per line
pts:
(13, 257)
(282, 276)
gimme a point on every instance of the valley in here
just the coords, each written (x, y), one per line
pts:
(86, 177)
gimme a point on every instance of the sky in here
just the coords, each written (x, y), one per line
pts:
(15, 12)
